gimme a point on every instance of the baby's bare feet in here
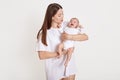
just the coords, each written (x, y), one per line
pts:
(66, 63)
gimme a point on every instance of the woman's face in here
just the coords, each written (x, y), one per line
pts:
(58, 17)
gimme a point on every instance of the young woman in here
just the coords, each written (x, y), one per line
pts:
(49, 37)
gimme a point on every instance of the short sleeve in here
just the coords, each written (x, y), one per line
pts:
(40, 46)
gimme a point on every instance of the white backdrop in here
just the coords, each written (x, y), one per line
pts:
(96, 59)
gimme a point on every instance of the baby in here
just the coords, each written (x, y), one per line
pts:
(73, 27)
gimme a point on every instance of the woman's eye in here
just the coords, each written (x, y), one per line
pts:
(60, 15)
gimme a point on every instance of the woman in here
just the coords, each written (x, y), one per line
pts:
(49, 37)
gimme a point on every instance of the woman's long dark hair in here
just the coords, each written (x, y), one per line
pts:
(50, 12)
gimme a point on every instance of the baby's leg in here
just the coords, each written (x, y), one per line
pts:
(69, 54)
(60, 49)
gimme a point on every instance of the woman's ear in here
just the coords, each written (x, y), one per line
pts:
(52, 18)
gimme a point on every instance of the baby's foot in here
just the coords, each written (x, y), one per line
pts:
(66, 63)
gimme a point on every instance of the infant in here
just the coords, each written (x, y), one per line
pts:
(73, 27)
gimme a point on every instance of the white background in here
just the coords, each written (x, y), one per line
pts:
(96, 59)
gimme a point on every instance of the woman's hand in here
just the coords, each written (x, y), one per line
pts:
(64, 52)
(81, 37)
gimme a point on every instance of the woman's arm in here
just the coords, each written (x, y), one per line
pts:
(77, 37)
(47, 54)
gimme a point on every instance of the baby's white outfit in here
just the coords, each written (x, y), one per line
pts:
(73, 31)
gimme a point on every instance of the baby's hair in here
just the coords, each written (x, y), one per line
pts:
(76, 19)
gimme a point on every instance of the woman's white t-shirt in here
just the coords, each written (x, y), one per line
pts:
(55, 69)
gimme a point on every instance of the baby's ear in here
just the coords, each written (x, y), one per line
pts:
(80, 26)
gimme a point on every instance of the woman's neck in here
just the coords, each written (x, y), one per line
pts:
(54, 25)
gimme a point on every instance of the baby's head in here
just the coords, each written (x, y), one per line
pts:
(74, 23)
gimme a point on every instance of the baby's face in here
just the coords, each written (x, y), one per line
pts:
(73, 23)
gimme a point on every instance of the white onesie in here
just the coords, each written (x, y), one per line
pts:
(68, 30)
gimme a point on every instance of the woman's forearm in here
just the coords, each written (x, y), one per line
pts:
(46, 54)
(79, 37)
